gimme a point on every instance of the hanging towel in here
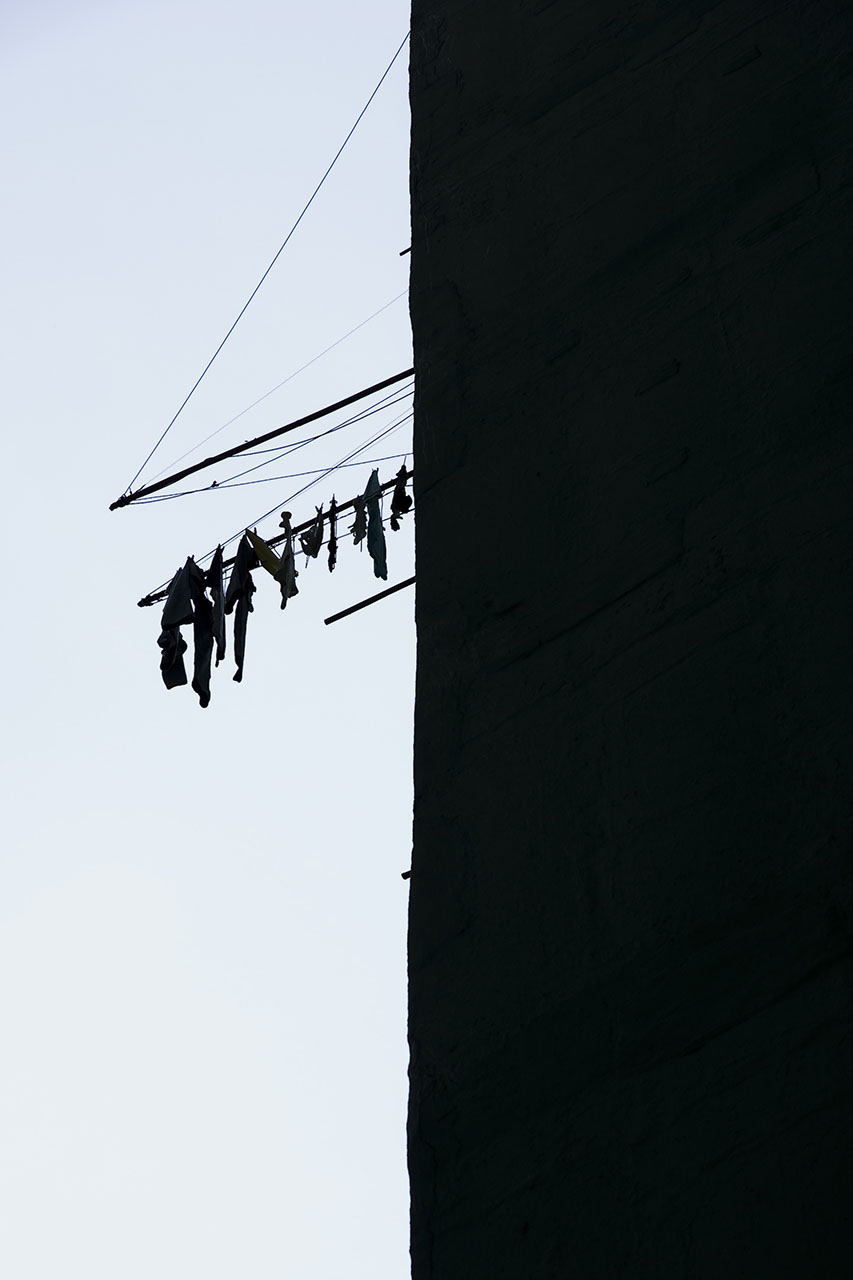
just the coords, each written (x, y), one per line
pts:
(375, 532)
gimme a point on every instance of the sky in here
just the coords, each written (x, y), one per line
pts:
(202, 915)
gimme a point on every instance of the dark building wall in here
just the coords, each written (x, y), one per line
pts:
(632, 889)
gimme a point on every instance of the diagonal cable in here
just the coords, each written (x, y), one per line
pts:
(279, 385)
(271, 265)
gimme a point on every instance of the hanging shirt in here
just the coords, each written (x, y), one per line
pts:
(375, 532)
(238, 599)
(177, 612)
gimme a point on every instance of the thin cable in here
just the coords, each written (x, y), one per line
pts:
(278, 386)
(266, 462)
(242, 484)
(394, 397)
(388, 402)
(281, 249)
(298, 494)
(291, 475)
(156, 485)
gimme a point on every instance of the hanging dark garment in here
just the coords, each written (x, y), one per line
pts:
(401, 502)
(312, 539)
(333, 534)
(238, 599)
(375, 532)
(202, 634)
(173, 646)
(213, 579)
(178, 609)
(177, 612)
(359, 528)
(286, 574)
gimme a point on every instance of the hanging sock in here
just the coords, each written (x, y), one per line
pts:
(359, 528)
(286, 573)
(238, 599)
(177, 612)
(213, 581)
(333, 534)
(312, 539)
(202, 634)
(375, 532)
(401, 502)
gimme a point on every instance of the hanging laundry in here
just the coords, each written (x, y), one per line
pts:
(268, 558)
(359, 528)
(173, 647)
(213, 580)
(177, 612)
(375, 531)
(401, 502)
(202, 633)
(178, 609)
(238, 599)
(286, 573)
(333, 534)
(312, 539)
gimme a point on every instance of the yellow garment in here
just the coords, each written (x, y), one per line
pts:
(265, 554)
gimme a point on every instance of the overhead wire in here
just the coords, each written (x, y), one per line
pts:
(387, 403)
(291, 475)
(329, 470)
(155, 486)
(279, 385)
(275, 259)
(280, 452)
(242, 484)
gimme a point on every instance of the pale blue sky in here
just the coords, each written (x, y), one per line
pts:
(202, 920)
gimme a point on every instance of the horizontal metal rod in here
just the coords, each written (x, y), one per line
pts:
(126, 498)
(354, 608)
(280, 537)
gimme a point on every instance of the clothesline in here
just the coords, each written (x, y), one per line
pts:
(127, 498)
(162, 592)
(200, 598)
(291, 475)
